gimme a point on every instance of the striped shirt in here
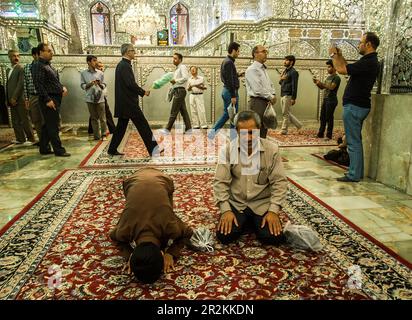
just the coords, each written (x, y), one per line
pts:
(29, 89)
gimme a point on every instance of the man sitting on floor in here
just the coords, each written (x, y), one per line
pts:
(252, 190)
(149, 222)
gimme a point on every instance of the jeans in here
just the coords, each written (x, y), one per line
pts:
(353, 117)
(227, 97)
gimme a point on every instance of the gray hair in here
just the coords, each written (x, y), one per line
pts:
(245, 116)
(125, 47)
(10, 52)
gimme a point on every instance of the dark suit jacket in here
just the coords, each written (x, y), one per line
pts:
(15, 85)
(126, 91)
(4, 117)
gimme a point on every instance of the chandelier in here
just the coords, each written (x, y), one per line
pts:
(140, 20)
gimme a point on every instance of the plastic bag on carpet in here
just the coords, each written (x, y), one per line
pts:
(301, 237)
(201, 240)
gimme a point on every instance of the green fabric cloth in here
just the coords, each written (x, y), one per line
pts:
(166, 78)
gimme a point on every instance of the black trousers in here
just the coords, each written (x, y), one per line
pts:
(50, 128)
(247, 221)
(4, 115)
(142, 126)
(179, 105)
(259, 105)
(109, 119)
(326, 117)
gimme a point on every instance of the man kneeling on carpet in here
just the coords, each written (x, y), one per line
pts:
(250, 191)
(148, 223)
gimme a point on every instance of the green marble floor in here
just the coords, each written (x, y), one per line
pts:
(384, 213)
(24, 173)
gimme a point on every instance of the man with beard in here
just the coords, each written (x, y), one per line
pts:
(356, 98)
(288, 92)
(330, 100)
(230, 92)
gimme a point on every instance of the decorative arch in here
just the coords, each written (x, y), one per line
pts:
(179, 24)
(304, 49)
(278, 49)
(56, 14)
(350, 47)
(100, 19)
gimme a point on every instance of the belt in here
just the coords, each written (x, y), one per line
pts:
(196, 93)
(260, 98)
(179, 88)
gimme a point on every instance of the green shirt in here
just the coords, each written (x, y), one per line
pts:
(331, 94)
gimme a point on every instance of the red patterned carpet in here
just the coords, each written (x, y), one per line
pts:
(59, 249)
(179, 149)
(189, 149)
(304, 138)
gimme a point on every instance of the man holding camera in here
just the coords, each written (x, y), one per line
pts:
(330, 100)
(356, 99)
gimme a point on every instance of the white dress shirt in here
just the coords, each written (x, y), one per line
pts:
(258, 83)
(194, 82)
(180, 76)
